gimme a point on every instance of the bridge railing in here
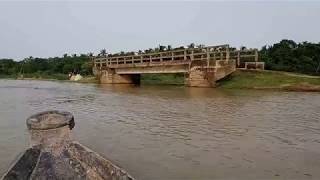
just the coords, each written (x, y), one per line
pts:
(209, 54)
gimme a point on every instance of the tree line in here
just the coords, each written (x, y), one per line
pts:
(285, 55)
(290, 56)
(47, 66)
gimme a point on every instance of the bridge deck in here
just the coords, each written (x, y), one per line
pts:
(210, 55)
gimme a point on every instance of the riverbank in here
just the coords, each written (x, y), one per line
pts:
(273, 80)
(51, 77)
(241, 79)
(36, 76)
(248, 79)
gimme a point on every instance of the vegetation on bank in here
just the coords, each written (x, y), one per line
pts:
(290, 56)
(172, 79)
(46, 68)
(248, 79)
(251, 79)
(38, 75)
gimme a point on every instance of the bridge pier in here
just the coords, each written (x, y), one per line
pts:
(111, 77)
(200, 78)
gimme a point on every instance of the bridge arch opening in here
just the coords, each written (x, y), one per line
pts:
(163, 79)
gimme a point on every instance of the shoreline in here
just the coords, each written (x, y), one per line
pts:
(87, 79)
(271, 80)
(309, 88)
(241, 79)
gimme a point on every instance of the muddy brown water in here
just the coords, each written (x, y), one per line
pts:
(172, 132)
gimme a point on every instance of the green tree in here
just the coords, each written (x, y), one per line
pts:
(288, 55)
(103, 52)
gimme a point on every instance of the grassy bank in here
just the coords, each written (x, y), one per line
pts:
(172, 79)
(248, 79)
(39, 75)
(51, 77)
(4, 76)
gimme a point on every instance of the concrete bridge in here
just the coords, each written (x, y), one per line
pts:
(202, 66)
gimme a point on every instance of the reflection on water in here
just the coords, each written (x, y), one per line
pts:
(173, 132)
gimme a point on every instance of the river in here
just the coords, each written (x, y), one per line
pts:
(173, 132)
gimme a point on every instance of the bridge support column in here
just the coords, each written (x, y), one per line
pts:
(110, 77)
(96, 71)
(200, 78)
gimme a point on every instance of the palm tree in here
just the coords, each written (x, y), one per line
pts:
(103, 52)
(200, 46)
(242, 48)
(192, 45)
(162, 48)
(156, 49)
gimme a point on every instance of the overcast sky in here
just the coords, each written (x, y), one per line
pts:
(47, 29)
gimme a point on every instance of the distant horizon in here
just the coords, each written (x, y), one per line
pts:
(36, 29)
